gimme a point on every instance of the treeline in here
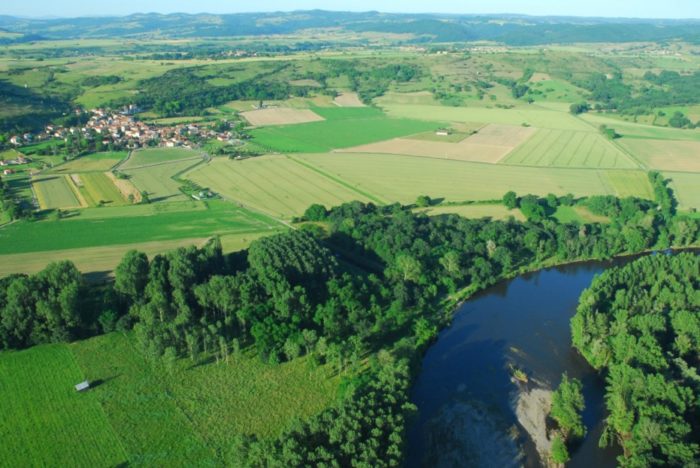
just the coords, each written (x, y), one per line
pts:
(374, 81)
(44, 108)
(640, 324)
(183, 91)
(11, 204)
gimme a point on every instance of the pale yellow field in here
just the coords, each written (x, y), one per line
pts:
(417, 98)
(489, 145)
(274, 184)
(686, 186)
(666, 155)
(280, 116)
(348, 100)
(475, 211)
(56, 191)
(404, 178)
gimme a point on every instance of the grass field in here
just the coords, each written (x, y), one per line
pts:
(45, 422)
(686, 187)
(535, 117)
(344, 127)
(580, 214)
(274, 184)
(55, 192)
(632, 130)
(403, 178)
(97, 162)
(97, 189)
(348, 100)
(148, 157)
(681, 156)
(475, 211)
(280, 116)
(561, 148)
(157, 180)
(219, 218)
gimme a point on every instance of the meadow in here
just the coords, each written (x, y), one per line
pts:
(55, 192)
(562, 148)
(666, 155)
(152, 156)
(475, 211)
(45, 422)
(157, 180)
(344, 127)
(403, 178)
(78, 232)
(686, 187)
(98, 189)
(96, 162)
(273, 184)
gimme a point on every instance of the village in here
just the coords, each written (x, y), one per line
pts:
(121, 129)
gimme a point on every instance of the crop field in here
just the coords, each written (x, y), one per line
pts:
(476, 211)
(632, 130)
(348, 100)
(681, 156)
(340, 130)
(157, 180)
(218, 218)
(54, 192)
(686, 187)
(45, 422)
(187, 417)
(97, 162)
(273, 184)
(403, 178)
(97, 189)
(280, 116)
(537, 117)
(419, 98)
(149, 157)
(560, 148)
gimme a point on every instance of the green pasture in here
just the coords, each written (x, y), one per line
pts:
(149, 157)
(45, 422)
(98, 189)
(96, 162)
(157, 180)
(475, 211)
(562, 148)
(578, 214)
(274, 184)
(54, 191)
(632, 130)
(74, 232)
(686, 187)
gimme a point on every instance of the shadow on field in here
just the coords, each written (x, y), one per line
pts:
(99, 382)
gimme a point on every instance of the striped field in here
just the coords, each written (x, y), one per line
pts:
(55, 192)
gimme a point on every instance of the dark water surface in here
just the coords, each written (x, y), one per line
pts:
(524, 322)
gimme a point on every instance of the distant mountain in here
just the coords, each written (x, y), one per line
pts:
(508, 29)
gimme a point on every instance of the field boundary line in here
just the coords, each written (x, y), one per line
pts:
(337, 180)
(618, 146)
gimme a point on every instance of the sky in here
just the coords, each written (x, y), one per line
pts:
(683, 9)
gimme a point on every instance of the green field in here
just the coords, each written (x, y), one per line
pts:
(535, 117)
(77, 232)
(632, 130)
(403, 178)
(681, 156)
(45, 422)
(97, 162)
(344, 127)
(98, 189)
(686, 187)
(157, 180)
(274, 184)
(561, 148)
(579, 214)
(55, 192)
(148, 157)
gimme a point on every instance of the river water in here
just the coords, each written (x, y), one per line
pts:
(465, 394)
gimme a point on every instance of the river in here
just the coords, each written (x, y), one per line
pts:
(464, 391)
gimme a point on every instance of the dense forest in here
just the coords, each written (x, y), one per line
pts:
(362, 282)
(640, 324)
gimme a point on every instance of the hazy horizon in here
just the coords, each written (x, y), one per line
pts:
(672, 9)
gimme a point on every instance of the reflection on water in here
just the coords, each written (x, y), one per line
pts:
(465, 376)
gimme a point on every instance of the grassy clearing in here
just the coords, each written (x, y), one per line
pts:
(189, 417)
(403, 178)
(54, 192)
(348, 100)
(628, 184)
(561, 148)
(45, 422)
(280, 116)
(499, 212)
(686, 187)
(536, 117)
(157, 180)
(98, 189)
(274, 184)
(681, 156)
(344, 127)
(424, 98)
(97, 162)
(579, 214)
(148, 157)
(632, 130)
(219, 218)
(555, 91)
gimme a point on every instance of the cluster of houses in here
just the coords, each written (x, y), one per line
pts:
(122, 129)
(5, 163)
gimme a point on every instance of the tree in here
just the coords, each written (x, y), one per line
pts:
(131, 276)
(567, 405)
(579, 108)
(423, 201)
(560, 454)
(315, 213)
(510, 200)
